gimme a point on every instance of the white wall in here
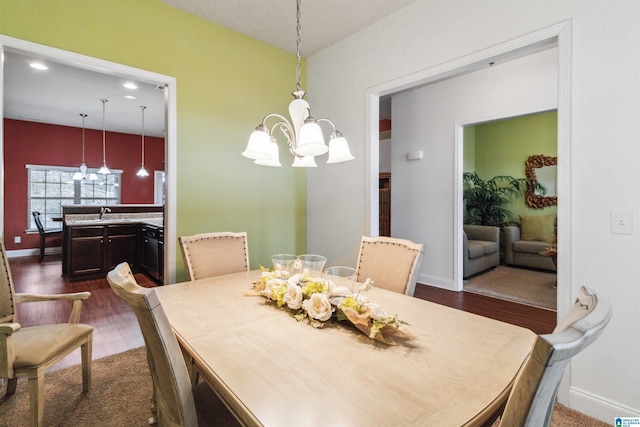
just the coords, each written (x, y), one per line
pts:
(604, 85)
(425, 119)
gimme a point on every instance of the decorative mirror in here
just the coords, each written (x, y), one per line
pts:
(541, 171)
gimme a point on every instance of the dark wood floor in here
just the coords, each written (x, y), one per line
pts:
(116, 328)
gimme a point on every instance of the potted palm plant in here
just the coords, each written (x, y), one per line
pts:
(486, 201)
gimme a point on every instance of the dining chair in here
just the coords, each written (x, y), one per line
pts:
(44, 234)
(533, 395)
(176, 402)
(29, 351)
(214, 254)
(390, 262)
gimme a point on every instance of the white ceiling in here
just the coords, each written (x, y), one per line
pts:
(59, 94)
(322, 22)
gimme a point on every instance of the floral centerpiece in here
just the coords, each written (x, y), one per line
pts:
(319, 300)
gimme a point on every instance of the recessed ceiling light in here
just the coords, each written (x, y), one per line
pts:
(38, 66)
(129, 97)
(130, 85)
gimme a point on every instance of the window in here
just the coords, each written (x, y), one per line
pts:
(51, 187)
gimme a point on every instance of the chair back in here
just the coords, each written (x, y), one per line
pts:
(214, 254)
(7, 291)
(392, 263)
(172, 385)
(533, 394)
(38, 221)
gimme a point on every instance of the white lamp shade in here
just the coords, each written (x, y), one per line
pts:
(311, 141)
(93, 176)
(77, 176)
(273, 156)
(104, 170)
(142, 172)
(304, 162)
(339, 150)
(258, 146)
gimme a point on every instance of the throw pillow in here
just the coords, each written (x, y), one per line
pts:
(539, 227)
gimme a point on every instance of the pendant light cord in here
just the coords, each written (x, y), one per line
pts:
(104, 131)
(298, 42)
(143, 108)
(83, 116)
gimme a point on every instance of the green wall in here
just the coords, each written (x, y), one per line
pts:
(502, 147)
(226, 83)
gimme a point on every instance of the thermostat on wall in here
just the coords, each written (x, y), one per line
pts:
(414, 155)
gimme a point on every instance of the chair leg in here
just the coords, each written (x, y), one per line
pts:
(36, 397)
(11, 385)
(85, 350)
(42, 245)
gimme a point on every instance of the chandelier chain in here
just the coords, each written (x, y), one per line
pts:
(298, 42)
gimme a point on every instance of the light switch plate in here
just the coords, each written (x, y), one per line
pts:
(622, 222)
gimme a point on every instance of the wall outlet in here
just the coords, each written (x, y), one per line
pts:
(17, 239)
(622, 222)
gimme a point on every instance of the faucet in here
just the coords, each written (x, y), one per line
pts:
(103, 210)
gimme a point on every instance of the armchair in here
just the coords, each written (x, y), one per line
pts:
(31, 350)
(481, 248)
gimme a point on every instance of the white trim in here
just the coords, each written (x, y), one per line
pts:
(106, 67)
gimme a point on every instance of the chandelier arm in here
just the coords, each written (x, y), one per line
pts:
(328, 121)
(285, 127)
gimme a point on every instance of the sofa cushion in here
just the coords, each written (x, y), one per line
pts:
(529, 246)
(539, 227)
(478, 248)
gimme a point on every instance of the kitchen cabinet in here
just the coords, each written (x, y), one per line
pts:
(95, 249)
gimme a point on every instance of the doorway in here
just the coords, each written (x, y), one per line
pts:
(451, 246)
(70, 59)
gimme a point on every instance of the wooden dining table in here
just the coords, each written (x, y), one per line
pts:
(271, 370)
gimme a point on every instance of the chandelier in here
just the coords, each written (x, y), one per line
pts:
(303, 133)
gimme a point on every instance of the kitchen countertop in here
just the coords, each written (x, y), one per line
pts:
(79, 220)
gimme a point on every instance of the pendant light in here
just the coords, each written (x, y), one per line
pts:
(303, 133)
(82, 173)
(142, 172)
(104, 169)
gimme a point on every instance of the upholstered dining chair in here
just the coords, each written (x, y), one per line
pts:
(532, 397)
(44, 234)
(177, 403)
(29, 351)
(214, 254)
(392, 263)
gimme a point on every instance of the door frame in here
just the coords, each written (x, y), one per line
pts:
(559, 34)
(72, 59)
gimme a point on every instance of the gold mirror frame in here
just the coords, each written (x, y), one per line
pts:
(535, 200)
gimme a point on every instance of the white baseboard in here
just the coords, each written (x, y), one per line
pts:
(438, 282)
(30, 252)
(598, 407)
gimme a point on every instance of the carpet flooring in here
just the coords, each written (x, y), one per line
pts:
(120, 396)
(520, 285)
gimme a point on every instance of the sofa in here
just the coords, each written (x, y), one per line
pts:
(481, 248)
(524, 244)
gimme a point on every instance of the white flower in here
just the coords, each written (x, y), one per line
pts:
(376, 311)
(270, 286)
(293, 297)
(338, 291)
(318, 307)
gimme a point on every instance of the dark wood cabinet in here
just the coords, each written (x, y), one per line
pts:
(86, 251)
(122, 245)
(96, 249)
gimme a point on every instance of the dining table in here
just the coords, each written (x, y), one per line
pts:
(270, 369)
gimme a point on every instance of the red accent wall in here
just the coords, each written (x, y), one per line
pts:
(52, 145)
(385, 124)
